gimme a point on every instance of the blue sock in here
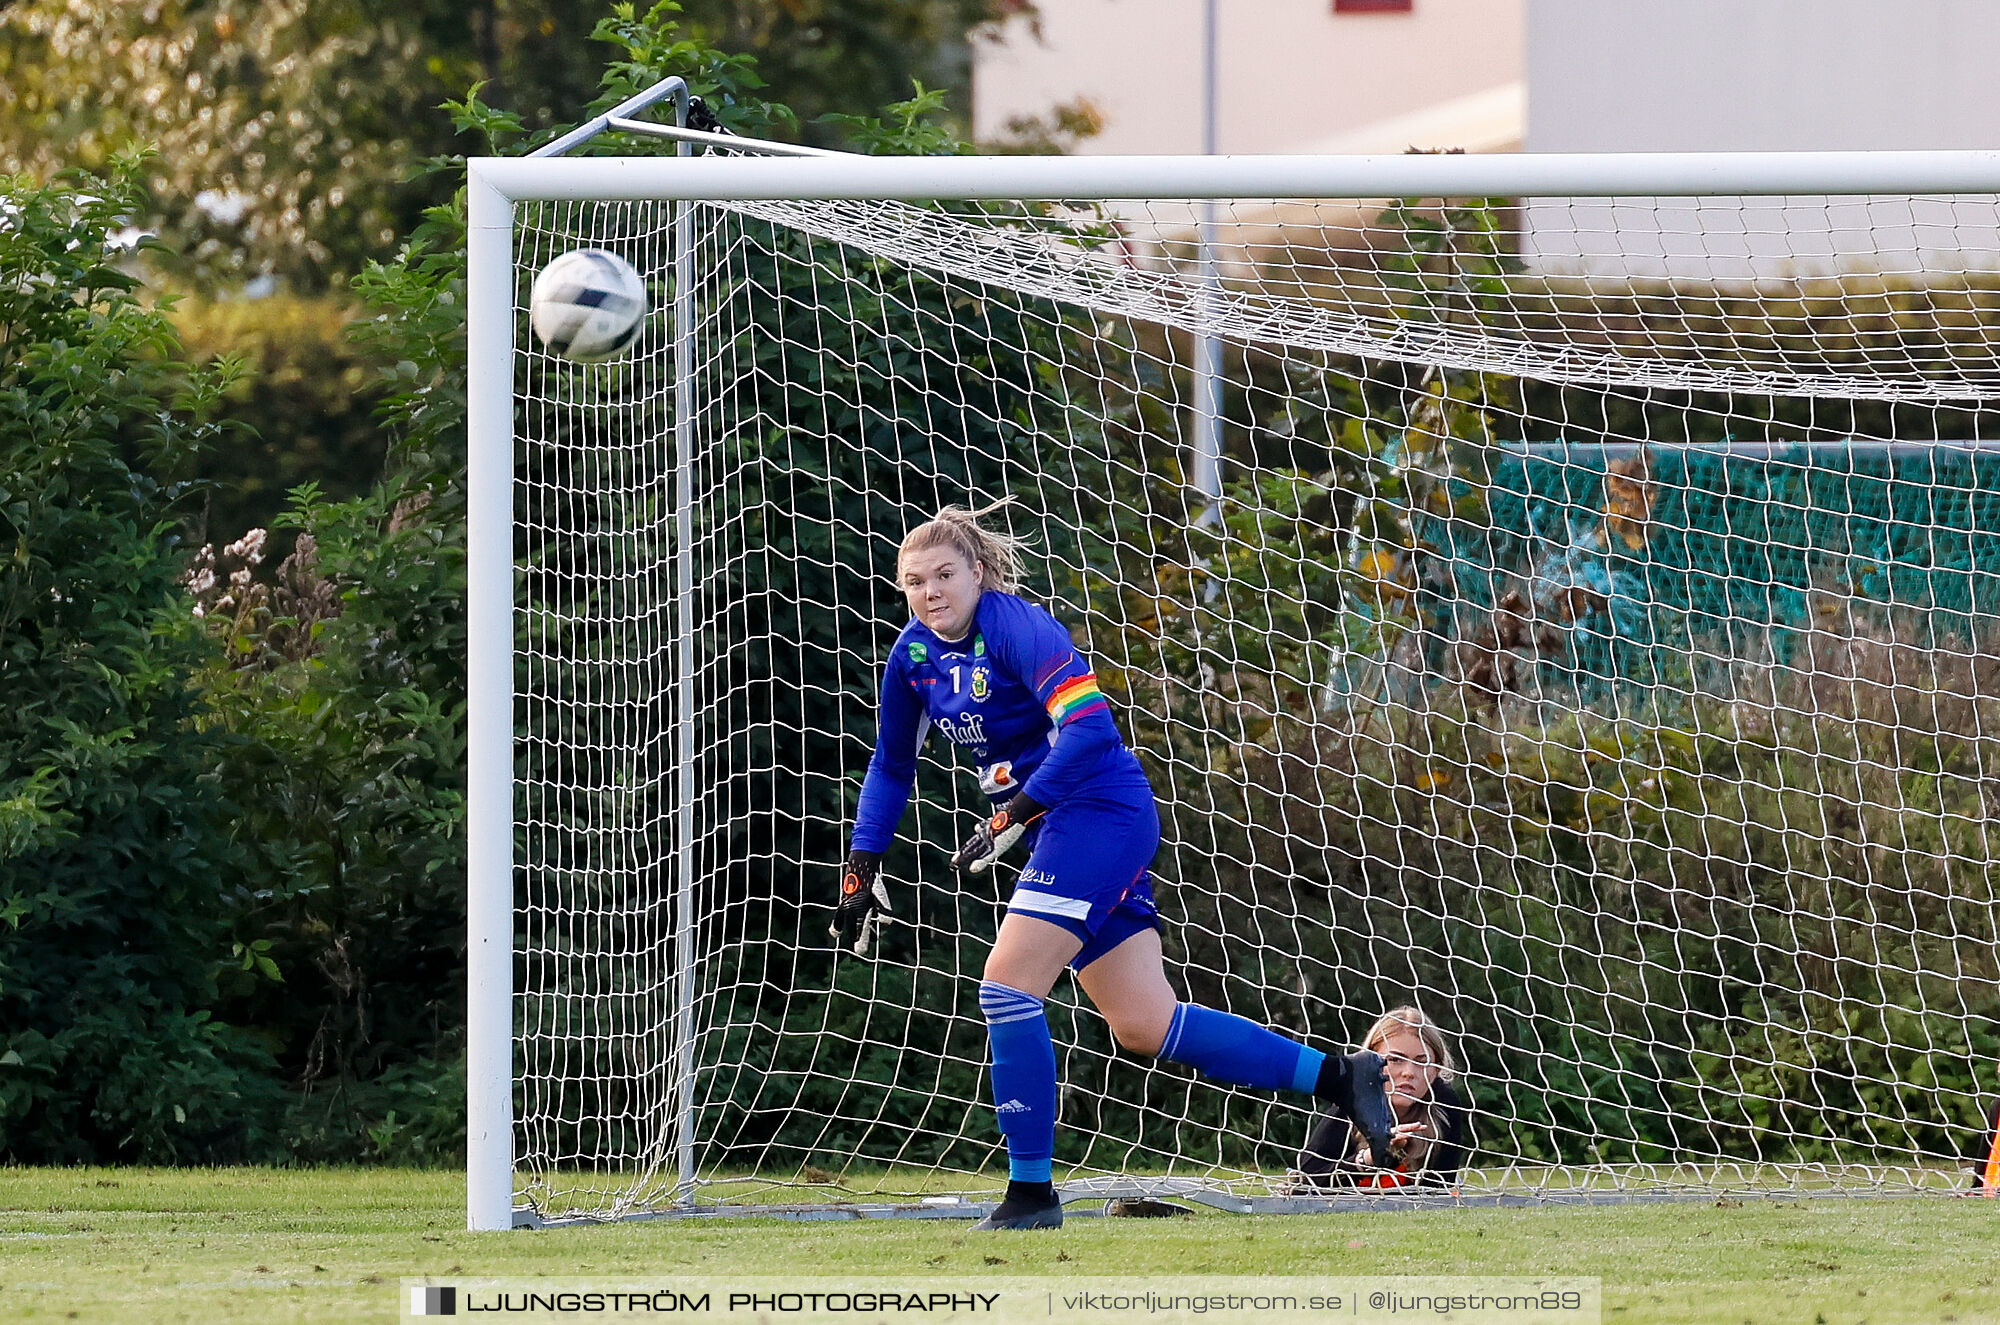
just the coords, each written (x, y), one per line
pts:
(1234, 1049)
(1024, 1079)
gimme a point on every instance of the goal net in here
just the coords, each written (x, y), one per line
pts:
(1572, 616)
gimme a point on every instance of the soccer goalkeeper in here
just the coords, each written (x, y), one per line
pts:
(1000, 677)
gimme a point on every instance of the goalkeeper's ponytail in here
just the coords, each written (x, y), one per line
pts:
(958, 527)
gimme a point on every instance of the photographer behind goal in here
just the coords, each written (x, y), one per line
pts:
(1427, 1145)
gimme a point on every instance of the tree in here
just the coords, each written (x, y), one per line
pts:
(231, 822)
(283, 128)
(289, 135)
(824, 58)
(287, 130)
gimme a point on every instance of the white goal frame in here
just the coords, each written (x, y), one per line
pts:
(495, 185)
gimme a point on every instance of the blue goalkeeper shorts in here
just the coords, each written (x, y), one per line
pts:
(1087, 870)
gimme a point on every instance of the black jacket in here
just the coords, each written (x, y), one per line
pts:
(1328, 1160)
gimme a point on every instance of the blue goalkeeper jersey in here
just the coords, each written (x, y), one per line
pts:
(1015, 695)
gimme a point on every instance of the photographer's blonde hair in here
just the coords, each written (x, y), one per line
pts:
(958, 527)
(1413, 1019)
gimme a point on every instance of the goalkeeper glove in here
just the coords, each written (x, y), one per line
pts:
(863, 909)
(997, 834)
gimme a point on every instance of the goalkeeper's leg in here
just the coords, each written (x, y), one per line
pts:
(1027, 956)
(1084, 899)
(1128, 984)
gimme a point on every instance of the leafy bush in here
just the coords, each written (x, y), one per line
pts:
(119, 879)
(304, 406)
(347, 691)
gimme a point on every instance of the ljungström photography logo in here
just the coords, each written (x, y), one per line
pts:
(433, 1301)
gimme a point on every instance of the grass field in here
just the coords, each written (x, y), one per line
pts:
(256, 1244)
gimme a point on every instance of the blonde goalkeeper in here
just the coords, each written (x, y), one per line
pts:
(999, 677)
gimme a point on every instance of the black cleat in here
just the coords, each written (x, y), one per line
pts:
(1028, 1205)
(1358, 1087)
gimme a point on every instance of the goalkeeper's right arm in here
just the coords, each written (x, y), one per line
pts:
(863, 906)
(900, 728)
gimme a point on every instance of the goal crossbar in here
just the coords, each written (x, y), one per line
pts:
(1649, 174)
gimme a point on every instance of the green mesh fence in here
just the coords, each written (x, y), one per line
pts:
(1678, 561)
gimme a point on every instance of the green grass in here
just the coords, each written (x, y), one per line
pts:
(259, 1244)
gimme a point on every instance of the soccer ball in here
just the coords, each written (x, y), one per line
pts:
(587, 305)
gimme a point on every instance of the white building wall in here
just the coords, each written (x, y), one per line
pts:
(1293, 75)
(1762, 75)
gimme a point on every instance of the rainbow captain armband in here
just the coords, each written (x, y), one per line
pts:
(1074, 698)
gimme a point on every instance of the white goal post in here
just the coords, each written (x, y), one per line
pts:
(1593, 646)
